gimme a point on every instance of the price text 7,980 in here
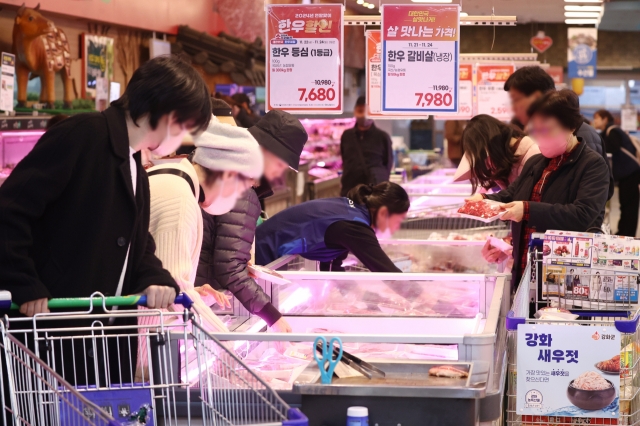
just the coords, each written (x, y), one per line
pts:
(438, 99)
(317, 94)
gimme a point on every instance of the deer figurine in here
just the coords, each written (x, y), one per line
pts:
(41, 50)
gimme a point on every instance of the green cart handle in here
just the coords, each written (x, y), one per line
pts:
(87, 302)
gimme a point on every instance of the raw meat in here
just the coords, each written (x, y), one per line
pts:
(448, 371)
(481, 209)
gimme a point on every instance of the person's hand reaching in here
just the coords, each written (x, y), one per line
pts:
(281, 326)
(474, 197)
(494, 255)
(515, 211)
(209, 294)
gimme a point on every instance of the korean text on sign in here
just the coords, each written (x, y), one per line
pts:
(304, 64)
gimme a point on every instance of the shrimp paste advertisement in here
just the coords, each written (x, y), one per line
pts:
(568, 371)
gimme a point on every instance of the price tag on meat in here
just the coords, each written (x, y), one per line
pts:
(492, 99)
(304, 58)
(420, 47)
(571, 372)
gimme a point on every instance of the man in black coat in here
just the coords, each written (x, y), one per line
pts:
(74, 213)
(367, 154)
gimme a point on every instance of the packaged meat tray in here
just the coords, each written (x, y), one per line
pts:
(484, 210)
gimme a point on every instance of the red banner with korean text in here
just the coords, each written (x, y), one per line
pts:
(304, 58)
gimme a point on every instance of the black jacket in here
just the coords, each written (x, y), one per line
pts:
(594, 141)
(573, 198)
(367, 157)
(68, 213)
(226, 250)
(624, 165)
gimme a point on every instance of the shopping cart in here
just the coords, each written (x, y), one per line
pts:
(624, 321)
(184, 373)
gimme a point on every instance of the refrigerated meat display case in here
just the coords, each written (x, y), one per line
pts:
(404, 323)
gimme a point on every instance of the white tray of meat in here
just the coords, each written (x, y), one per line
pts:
(484, 210)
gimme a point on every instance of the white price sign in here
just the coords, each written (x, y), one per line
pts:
(7, 78)
(465, 95)
(304, 58)
(420, 52)
(492, 98)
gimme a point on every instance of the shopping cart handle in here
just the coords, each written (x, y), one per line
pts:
(87, 302)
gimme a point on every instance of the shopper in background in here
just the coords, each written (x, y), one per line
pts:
(367, 155)
(494, 153)
(74, 213)
(56, 119)
(626, 170)
(528, 84)
(328, 229)
(564, 188)
(222, 112)
(228, 238)
(453, 134)
(242, 111)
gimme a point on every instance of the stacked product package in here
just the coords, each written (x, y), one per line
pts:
(591, 271)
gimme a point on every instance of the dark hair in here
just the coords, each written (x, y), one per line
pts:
(388, 194)
(163, 85)
(562, 105)
(484, 138)
(603, 113)
(529, 80)
(56, 119)
(361, 101)
(240, 98)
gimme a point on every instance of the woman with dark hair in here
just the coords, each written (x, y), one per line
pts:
(494, 153)
(328, 229)
(626, 170)
(565, 188)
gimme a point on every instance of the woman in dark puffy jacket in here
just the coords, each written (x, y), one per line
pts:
(564, 188)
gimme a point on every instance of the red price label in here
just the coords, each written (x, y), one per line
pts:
(581, 291)
(499, 110)
(316, 94)
(438, 99)
(465, 109)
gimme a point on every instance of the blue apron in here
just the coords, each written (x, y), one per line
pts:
(300, 229)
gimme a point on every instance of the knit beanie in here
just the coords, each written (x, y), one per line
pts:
(223, 147)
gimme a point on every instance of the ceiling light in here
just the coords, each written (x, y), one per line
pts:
(365, 4)
(581, 21)
(583, 8)
(432, 1)
(583, 1)
(463, 14)
(370, 6)
(360, 1)
(581, 15)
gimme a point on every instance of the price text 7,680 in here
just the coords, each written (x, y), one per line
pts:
(314, 94)
(437, 99)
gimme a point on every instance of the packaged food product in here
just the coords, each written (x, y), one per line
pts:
(483, 210)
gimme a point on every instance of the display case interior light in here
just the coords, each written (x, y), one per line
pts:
(581, 14)
(584, 1)
(432, 1)
(573, 8)
(576, 21)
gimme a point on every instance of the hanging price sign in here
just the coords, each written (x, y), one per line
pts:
(304, 58)
(465, 95)
(420, 46)
(492, 98)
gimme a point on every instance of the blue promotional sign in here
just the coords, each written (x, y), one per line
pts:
(582, 52)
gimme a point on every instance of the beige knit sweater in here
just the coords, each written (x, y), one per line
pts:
(176, 227)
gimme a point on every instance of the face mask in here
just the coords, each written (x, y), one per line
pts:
(170, 143)
(384, 235)
(221, 204)
(553, 146)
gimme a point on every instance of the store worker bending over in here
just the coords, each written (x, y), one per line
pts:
(228, 238)
(367, 155)
(565, 188)
(74, 213)
(226, 161)
(328, 229)
(626, 170)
